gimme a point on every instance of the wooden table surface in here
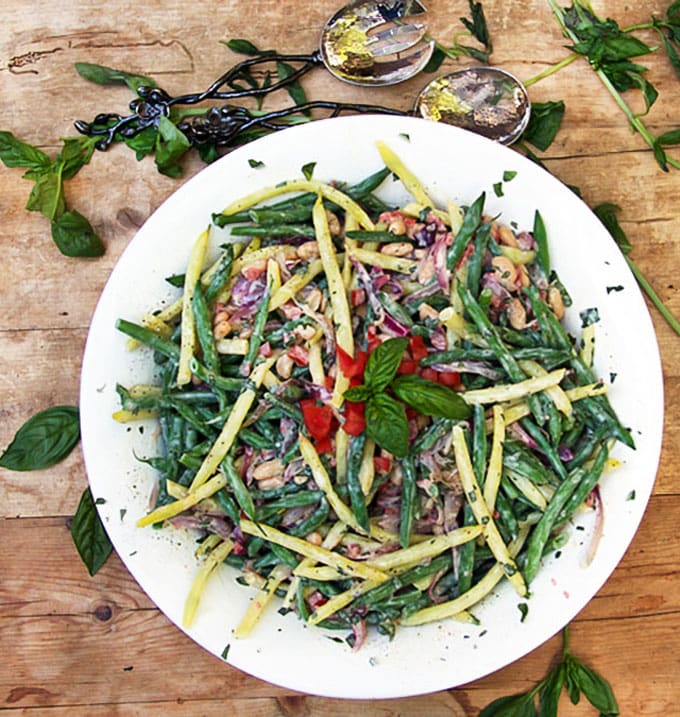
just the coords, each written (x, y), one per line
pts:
(72, 645)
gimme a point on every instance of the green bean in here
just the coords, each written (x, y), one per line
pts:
(471, 220)
(256, 440)
(522, 461)
(589, 442)
(355, 452)
(286, 407)
(228, 505)
(506, 521)
(284, 555)
(292, 215)
(474, 263)
(257, 335)
(225, 383)
(427, 438)
(204, 329)
(466, 554)
(490, 333)
(395, 309)
(544, 527)
(479, 443)
(382, 237)
(267, 230)
(314, 521)
(274, 493)
(408, 500)
(300, 602)
(192, 417)
(367, 185)
(238, 487)
(586, 486)
(221, 275)
(149, 338)
(545, 447)
(385, 590)
(541, 239)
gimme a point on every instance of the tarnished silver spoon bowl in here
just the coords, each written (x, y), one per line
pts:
(485, 100)
(372, 43)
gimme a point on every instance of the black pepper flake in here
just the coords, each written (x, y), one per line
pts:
(614, 288)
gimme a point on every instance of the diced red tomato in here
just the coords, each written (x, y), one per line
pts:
(430, 374)
(357, 297)
(355, 420)
(317, 418)
(299, 354)
(407, 367)
(449, 378)
(372, 339)
(316, 599)
(323, 445)
(382, 464)
(350, 366)
(417, 347)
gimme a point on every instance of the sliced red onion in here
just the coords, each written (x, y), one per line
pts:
(392, 326)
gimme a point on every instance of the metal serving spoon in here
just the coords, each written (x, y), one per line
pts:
(365, 43)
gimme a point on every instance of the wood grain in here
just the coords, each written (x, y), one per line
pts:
(80, 646)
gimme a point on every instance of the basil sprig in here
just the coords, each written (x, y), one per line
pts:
(569, 673)
(71, 231)
(386, 421)
(45, 439)
(90, 538)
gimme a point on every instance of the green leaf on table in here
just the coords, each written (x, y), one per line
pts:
(477, 26)
(44, 440)
(242, 47)
(294, 88)
(606, 213)
(90, 538)
(74, 236)
(15, 153)
(511, 706)
(75, 154)
(430, 398)
(102, 75)
(549, 694)
(436, 59)
(669, 138)
(47, 195)
(383, 362)
(143, 143)
(386, 424)
(594, 687)
(544, 123)
(171, 145)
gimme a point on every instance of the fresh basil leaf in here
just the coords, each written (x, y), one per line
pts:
(294, 88)
(595, 688)
(436, 59)
(511, 706)
(549, 694)
(74, 235)
(15, 153)
(572, 688)
(479, 55)
(509, 175)
(477, 25)
(660, 155)
(102, 75)
(171, 145)
(47, 196)
(143, 143)
(669, 138)
(44, 440)
(386, 424)
(90, 538)
(255, 163)
(544, 123)
(383, 363)
(308, 170)
(176, 280)
(242, 47)
(358, 393)
(430, 398)
(75, 154)
(498, 189)
(606, 213)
